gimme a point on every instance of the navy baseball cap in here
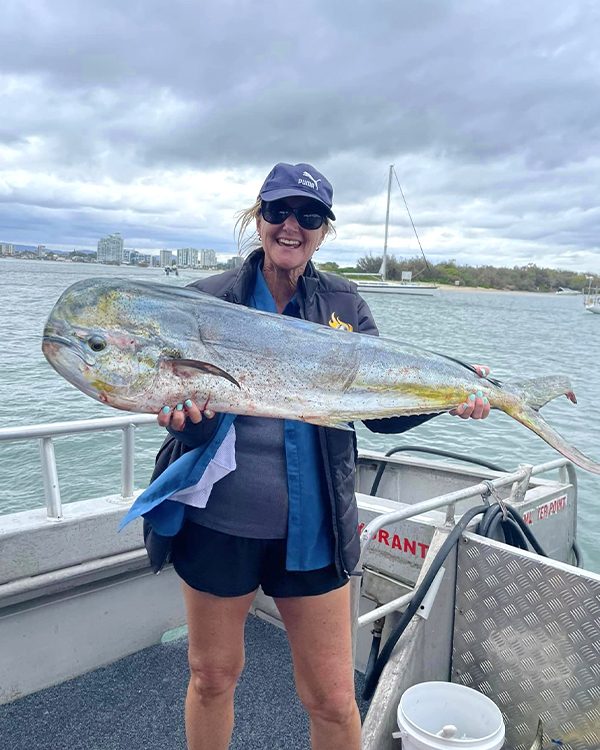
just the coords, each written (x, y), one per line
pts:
(286, 180)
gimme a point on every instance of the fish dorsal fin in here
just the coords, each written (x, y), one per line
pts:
(467, 366)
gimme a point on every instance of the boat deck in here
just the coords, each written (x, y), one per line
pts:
(137, 703)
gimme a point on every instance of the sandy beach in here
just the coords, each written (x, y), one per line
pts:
(453, 288)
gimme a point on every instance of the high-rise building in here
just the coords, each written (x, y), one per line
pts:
(187, 257)
(208, 258)
(41, 251)
(110, 249)
(166, 258)
(6, 248)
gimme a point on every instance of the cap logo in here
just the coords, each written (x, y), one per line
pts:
(314, 183)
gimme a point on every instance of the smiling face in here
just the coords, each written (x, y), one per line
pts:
(288, 246)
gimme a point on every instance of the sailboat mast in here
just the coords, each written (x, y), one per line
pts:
(383, 269)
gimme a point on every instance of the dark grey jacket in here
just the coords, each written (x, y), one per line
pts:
(321, 296)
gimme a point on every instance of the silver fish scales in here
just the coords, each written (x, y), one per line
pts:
(137, 346)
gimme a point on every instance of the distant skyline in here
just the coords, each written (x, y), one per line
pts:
(62, 249)
(160, 121)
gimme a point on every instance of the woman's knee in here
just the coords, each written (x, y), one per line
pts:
(211, 680)
(337, 706)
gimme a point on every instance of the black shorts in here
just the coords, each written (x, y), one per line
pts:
(226, 565)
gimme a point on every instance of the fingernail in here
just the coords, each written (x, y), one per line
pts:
(188, 402)
(479, 394)
(472, 397)
(179, 407)
(209, 413)
(485, 400)
(165, 410)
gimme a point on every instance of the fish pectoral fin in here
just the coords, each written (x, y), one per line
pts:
(181, 365)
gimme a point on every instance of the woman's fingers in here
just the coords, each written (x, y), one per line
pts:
(178, 417)
(476, 406)
(175, 418)
(164, 416)
(482, 370)
(193, 412)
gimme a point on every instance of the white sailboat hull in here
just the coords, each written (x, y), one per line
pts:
(391, 287)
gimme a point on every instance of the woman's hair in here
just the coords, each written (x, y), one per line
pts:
(245, 224)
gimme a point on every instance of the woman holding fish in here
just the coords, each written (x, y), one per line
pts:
(282, 512)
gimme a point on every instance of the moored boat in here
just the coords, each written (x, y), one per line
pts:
(591, 299)
(382, 285)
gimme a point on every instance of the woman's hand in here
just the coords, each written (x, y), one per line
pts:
(176, 418)
(477, 406)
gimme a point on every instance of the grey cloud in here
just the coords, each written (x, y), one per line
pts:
(489, 110)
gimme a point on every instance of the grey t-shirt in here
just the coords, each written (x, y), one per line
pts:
(251, 501)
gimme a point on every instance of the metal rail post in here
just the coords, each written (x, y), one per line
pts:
(127, 462)
(50, 479)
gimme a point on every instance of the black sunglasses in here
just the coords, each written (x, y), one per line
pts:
(276, 212)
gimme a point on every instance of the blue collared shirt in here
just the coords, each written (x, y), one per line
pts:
(309, 540)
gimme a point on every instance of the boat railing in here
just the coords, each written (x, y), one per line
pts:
(46, 433)
(519, 479)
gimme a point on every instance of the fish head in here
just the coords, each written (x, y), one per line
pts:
(96, 338)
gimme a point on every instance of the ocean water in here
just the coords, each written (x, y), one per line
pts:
(517, 335)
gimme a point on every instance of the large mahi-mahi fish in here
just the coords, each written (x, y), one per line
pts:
(137, 346)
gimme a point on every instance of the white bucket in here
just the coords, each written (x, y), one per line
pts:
(444, 715)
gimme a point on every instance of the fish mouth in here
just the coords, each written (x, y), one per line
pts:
(54, 338)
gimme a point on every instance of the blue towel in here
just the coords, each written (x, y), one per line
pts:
(166, 516)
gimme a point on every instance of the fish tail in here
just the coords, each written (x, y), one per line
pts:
(536, 392)
(531, 396)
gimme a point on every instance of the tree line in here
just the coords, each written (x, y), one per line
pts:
(529, 278)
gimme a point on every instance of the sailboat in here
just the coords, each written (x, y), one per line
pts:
(591, 299)
(406, 285)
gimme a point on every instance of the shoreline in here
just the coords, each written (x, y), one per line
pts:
(485, 289)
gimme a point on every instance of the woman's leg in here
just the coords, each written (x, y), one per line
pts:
(216, 657)
(320, 638)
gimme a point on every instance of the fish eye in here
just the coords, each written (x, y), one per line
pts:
(96, 343)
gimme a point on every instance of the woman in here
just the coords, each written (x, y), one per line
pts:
(291, 526)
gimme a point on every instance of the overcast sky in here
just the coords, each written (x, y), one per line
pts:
(160, 120)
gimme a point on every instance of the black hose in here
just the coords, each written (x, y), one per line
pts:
(433, 451)
(372, 679)
(488, 517)
(509, 521)
(518, 521)
(375, 644)
(494, 528)
(516, 533)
